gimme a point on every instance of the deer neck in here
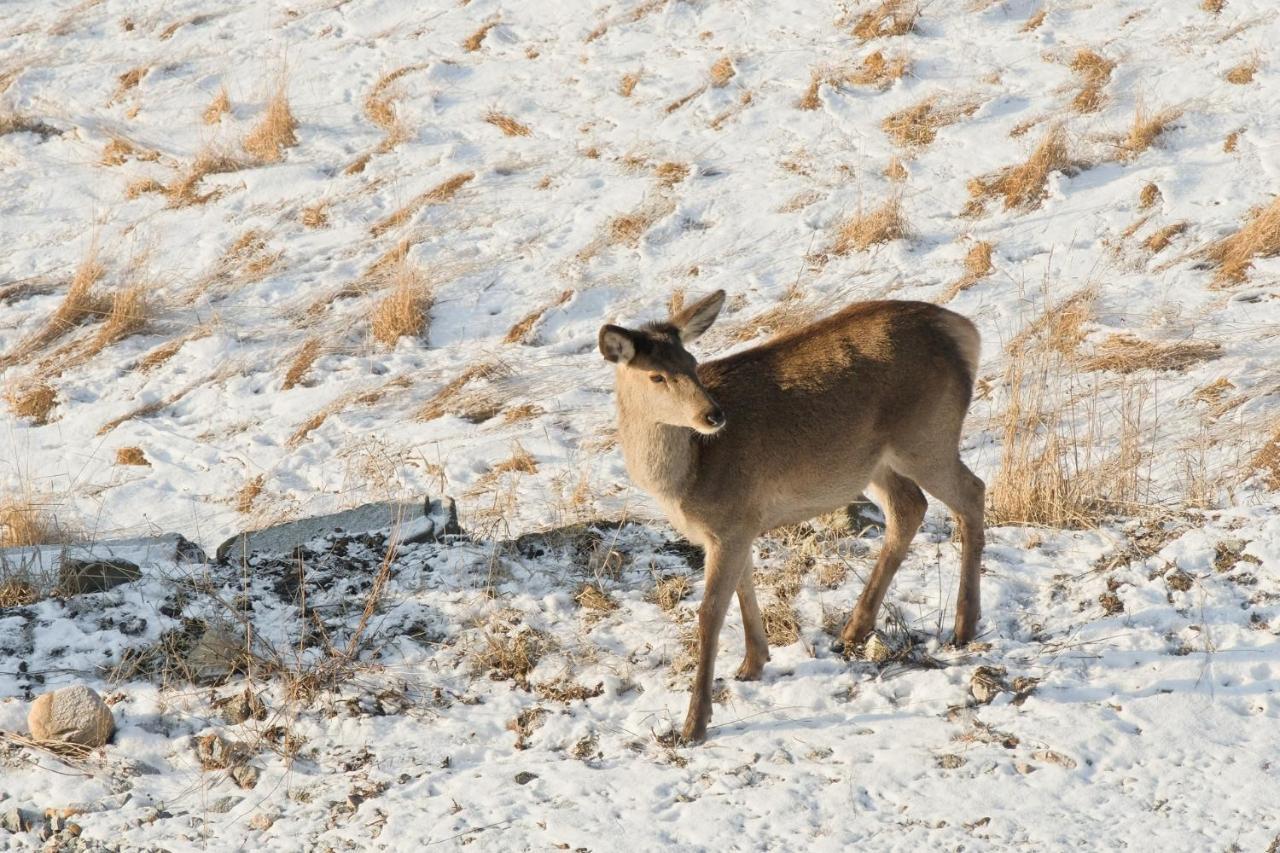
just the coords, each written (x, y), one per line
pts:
(660, 457)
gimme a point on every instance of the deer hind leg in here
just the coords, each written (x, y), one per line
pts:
(752, 627)
(904, 505)
(964, 494)
(725, 564)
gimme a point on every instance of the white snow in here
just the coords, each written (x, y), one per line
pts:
(1154, 727)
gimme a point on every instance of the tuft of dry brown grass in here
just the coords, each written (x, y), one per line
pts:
(508, 125)
(404, 311)
(184, 190)
(1125, 353)
(1059, 329)
(627, 84)
(895, 171)
(453, 398)
(439, 194)
(977, 266)
(722, 71)
(890, 18)
(868, 228)
(18, 592)
(522, 332)
(473, 42)
(510, 653)
(1213, 7)
(1149, 195)
(1231, 142)
(1094, 71)
(127, 316)
(316, 215)
(918, 125)
(1162, 237)
(79, 305)
(1025, 185)
(128, 81)
(670, 174)
(166, 351)
(218, 107)
(1267, 462)
(131, 456)
(1242, 74)
(781, 625)
(875, 70)
(1146, 128)
(32, 400)
(669, 590)
(119, 149)
(27, 521)
(275, 131)
(1259, 238)
(301, 363)
(1033, 23)
(248, 494)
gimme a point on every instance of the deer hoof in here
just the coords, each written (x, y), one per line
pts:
(750, 671)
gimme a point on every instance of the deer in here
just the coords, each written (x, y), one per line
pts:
(871, 399)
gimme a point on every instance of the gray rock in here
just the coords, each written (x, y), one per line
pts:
(73, 715)
(222, 805)
(217, 753)
(145, 550)
(76, 576)
(245, 775)
(219, 651)
(418, 521)
(241, 706)
(524, 777)
(987, 683)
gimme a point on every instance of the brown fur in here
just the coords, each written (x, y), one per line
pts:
(872, 397)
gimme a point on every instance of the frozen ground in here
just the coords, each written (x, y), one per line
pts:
(1152, 634)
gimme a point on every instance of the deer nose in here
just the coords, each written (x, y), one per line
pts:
(715, 418)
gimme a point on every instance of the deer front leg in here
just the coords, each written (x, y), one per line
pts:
(725, 563)
(752, 627)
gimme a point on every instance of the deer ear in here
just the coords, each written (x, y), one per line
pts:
(617, 344)
(695, 319)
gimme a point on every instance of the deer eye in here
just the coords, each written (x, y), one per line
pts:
(656, 378)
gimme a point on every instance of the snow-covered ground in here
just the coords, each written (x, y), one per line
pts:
(594, 160)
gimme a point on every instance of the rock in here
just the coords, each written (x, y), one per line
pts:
(216, 653)
(74, 715)
(241, 706)
(16, 820)
(262, 821)
(417, 521)
(876, 649)
(987, 683)
(215, 752)
(1024, 767)
(524, 777)
(222, 805)
(76, 576)
(245, 775)
(951, 761)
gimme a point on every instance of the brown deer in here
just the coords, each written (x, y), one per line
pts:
(873, 398)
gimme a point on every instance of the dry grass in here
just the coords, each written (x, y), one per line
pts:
(405, 310)
(275, 131)
(33, 400)
(127, 316)
(473, 42)
(184, 190)
(1146, 128)
(918, 125)
(668, 591)
(1059, 329)
(131, 456)
(453, 398)
(80, 304)
(18, 592)
(895, 171)
(1231, 142)
(508, 125)
(977, 266)
(316, 215)
(1162, 237)
(128, 81)
(522, 332)
(670, 174)
(119, 150)
(1267, 462)
(510, 653)
(218, 107)
(868, 228)
(890, 18)
(1149, 195)
(166, 351)
(11, 122)
(1242, 74)
(1066, 462)
(875, 70)
(439, 194)
(1094, 71)
(1033, 23)
(301, 363)
(1259, 238)
(722, 71)
(1213, 7)
(627, 84)
(1025, 185)
(781, 625)
(1125, 353)
(26, 520)
(248, 494)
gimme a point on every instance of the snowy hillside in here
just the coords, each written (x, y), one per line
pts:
(266, 261)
